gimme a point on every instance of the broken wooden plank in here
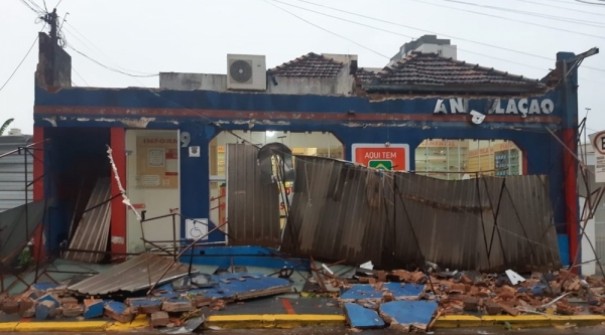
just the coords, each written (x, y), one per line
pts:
(406, 315)
(177, 305)
(361, 317)
(45, 309)
(93, 308)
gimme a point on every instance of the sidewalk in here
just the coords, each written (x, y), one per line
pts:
(260, 321)
(291, 312)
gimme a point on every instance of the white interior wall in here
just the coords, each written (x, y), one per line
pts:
(156, 201)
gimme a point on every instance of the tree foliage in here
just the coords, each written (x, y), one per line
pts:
(5, 125)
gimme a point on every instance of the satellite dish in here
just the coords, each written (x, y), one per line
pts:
(241, 71)
(265, 158)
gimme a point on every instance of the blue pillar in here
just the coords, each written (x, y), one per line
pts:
(195, 188)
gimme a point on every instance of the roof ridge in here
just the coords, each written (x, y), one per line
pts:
(309, 65)
(475, 66)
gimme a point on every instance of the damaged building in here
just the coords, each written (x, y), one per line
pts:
(429, 158)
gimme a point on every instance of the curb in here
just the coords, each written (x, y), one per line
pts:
(526, 321)
(273, 320)
(259, 321)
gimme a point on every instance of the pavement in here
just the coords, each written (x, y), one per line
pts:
(291, 311)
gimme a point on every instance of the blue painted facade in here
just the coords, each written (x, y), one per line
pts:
(352, 120)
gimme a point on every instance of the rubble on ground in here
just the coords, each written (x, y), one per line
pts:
(466, 292)
(369, 298)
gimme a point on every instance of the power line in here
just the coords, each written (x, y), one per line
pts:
(499, 47)
(345, 20)
(90, 45)
(20, 63)
(111, 68)
(567, 2)
(530, 13)
(79, 76)
(513, 20)
(400, 34)
(328, 31)
(592, 3)
(28, 5)
(550, 5)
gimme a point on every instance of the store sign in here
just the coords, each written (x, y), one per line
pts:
(598, 142)
(382, 156)
(522, 107)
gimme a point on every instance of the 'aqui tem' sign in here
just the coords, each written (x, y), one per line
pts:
(598, 142)
(522, 107)
(382, 156)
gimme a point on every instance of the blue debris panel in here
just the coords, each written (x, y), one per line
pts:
(408, 315)
(237, 286)
(368, 292)
(362, 318)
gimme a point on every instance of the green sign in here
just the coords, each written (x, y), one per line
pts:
(381, 164)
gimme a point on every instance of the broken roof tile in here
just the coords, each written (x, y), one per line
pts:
(310, 65)
(365, 75)
(419, 70)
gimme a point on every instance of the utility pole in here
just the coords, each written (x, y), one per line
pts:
(51, 19)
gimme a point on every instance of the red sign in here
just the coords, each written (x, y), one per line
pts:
(395, 156)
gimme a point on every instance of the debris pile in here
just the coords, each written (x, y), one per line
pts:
(375, 292)
(401, 299)
(169, 305)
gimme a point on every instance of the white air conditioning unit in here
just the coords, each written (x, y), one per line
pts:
(246, 72)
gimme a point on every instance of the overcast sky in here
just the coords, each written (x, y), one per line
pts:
(149, 36)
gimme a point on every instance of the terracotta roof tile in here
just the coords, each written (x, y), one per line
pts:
(310, 65)
(420, 70)
(366, 76)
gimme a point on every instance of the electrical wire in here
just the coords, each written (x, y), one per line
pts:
(345, 20)
(111, 68)
(91, 45)
(499, 47)
(19, 65)
(530, 13)
(80, 76)
(328, 31)
(28, 5)
(510, 19)
(592, 3)
(409, 36)
(550, 5)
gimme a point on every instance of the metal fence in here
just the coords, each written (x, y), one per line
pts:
(16, 171)
(343, 212)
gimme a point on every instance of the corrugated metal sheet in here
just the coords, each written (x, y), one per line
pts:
(346, 212)
(17, 227)
(253, 202)
(138, 273)
(89, 241)
(16, 170)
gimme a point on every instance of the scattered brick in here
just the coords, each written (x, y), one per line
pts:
(159, 319)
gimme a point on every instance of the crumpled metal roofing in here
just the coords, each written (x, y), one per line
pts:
(137, 273)
(253, 201)
(310, 65)
(341, 211)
